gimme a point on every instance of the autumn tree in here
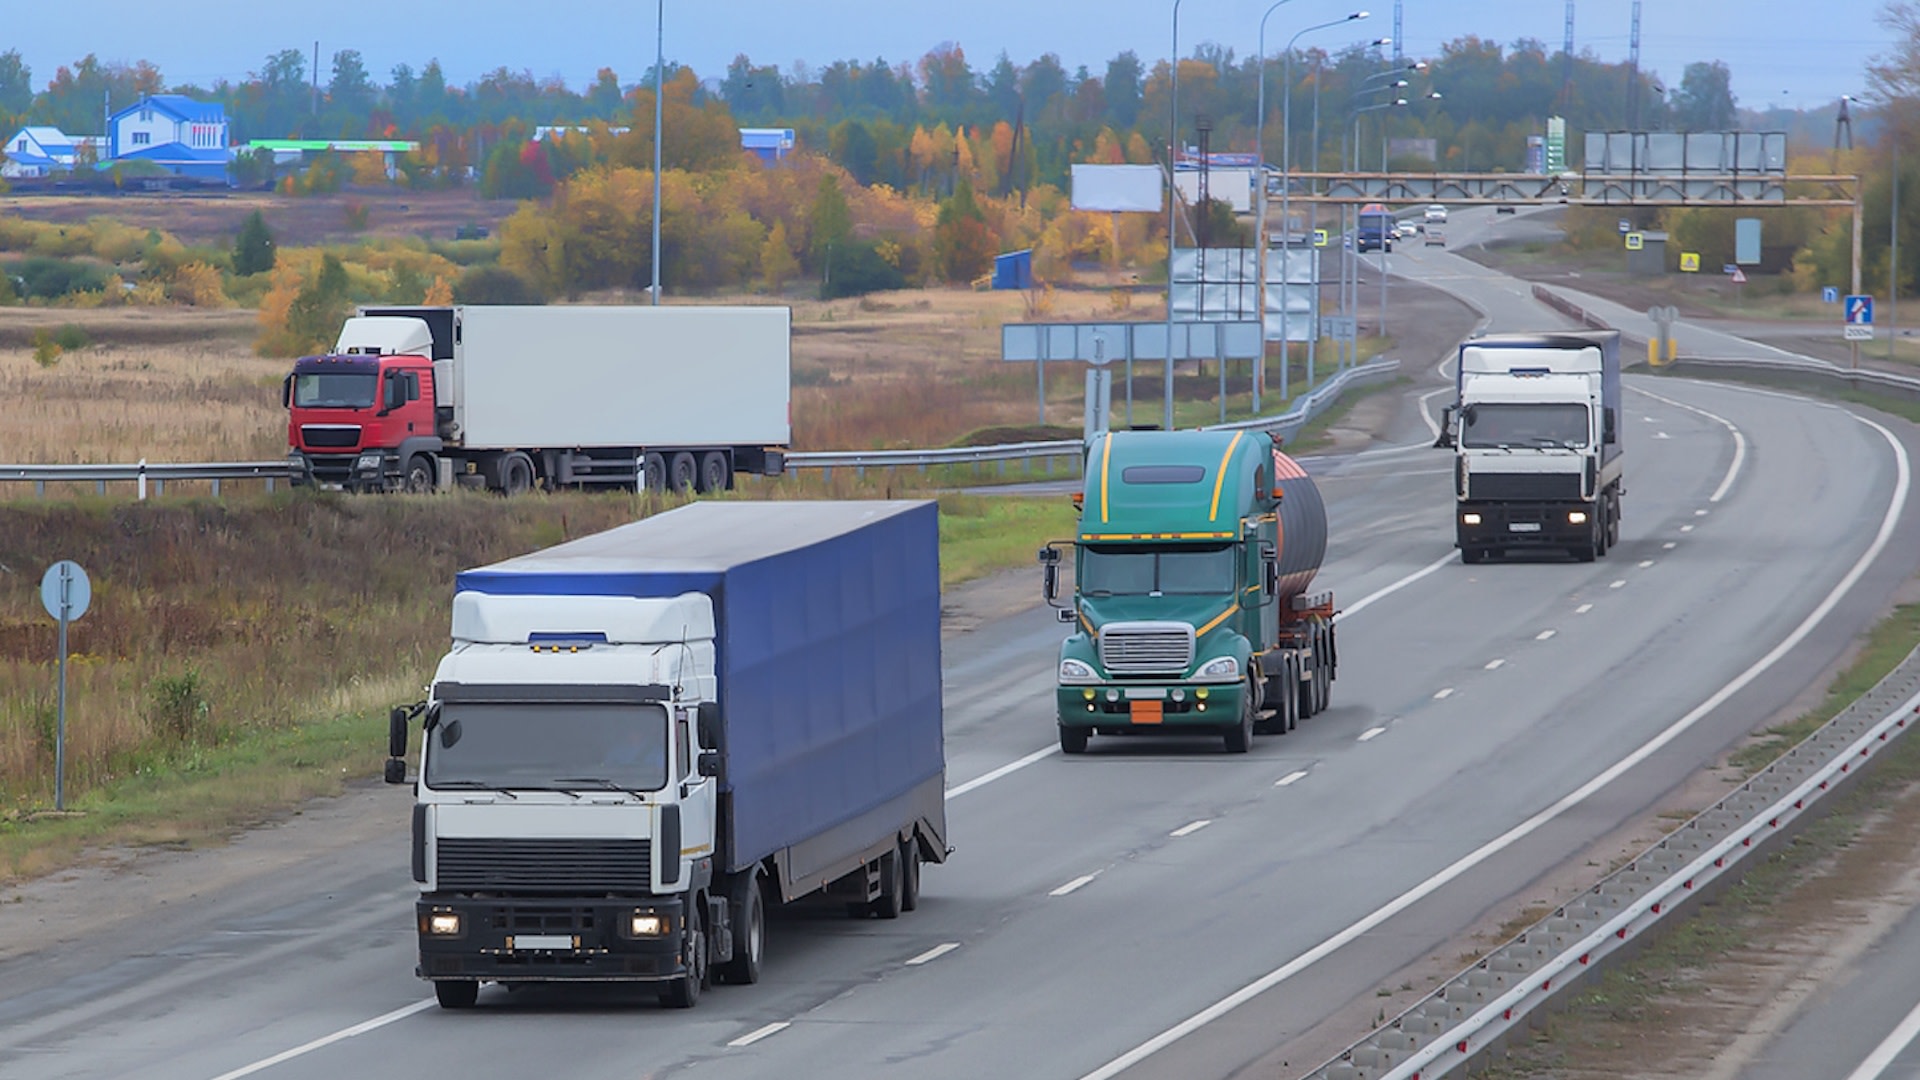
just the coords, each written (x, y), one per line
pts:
(963, 245)
(830, 221)
(777, 264)
(253, 249)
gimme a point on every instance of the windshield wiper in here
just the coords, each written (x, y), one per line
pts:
(470, 785)
(600, 782)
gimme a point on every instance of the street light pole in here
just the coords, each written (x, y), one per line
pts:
(1173, 195)
(659, 80)
(1260, 217)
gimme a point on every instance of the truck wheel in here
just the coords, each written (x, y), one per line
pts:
(1293, 697)
(714, 473)
(682, 473)
(749, 934)
(892, 887)
(419, 474)
(653, 471)
(684, 992)
(516, 474)
(1073, 740)
(910, 875)
(456, 993)
(1239, 738)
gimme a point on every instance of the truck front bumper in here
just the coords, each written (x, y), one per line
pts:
(548, 940)
(1495, 526)
(368, 470)
(1159, 707)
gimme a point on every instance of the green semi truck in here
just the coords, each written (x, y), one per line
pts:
(1190, 601)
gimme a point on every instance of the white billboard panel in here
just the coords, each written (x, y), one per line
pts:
(1222, 284)
(1233, 186)
(1118, 188)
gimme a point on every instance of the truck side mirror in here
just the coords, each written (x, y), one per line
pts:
(397, 733)
(709, 727)
(1049, 573)
(396, 771)
(1607, 426)
(1269, 570)
(1445, 439)
(286, 392)
(709, 764)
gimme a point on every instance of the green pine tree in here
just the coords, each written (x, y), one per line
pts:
(253, 250)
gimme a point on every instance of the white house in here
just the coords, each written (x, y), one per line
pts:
(180, 134)
(37, 151)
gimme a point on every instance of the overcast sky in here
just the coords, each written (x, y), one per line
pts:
(1789, 52)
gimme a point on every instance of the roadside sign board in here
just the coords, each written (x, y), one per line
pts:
(1342, 327)
(1746, 241)
(1728, 268)
(1319, 238)
(1857, 332)
(1625, 226)
(1635, 241)
(1739, 276)
(1859, 310)
(1829, 295)
(1690, 262)
(65, 590)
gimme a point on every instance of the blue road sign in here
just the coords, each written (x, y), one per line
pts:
(1829, 295)
(1860, 310)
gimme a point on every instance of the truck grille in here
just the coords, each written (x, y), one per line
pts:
(1146, 648)
(1523, 486)
(552, 866)
(330, 436)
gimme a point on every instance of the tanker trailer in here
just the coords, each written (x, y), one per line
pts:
(1190, 605)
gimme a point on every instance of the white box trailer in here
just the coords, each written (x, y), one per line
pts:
(515, 397)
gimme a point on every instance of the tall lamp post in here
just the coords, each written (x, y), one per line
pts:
(1286, 185)
(1173, 195)
(659, 79)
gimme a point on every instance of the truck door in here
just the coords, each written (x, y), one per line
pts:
(697, 793)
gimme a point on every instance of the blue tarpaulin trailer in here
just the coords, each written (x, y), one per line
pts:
(827, 657)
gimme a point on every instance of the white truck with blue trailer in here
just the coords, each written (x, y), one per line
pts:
(643, 738)
(1536, 434)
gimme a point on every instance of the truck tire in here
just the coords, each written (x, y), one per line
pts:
(714, 472)
(456, 993)
(682, 473)
(910, 875)
(749, 933)
(419, 478)
(1239, 738)
(1073, 740)
(684, 992)
(653, 471)
(516, 474)
(1292, 697)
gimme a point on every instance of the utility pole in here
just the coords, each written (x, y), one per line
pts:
(1566, 63)
(1633, 71)
(315, 94)
(1399, 51)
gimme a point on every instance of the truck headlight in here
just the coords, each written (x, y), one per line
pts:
(1576, 517)
(367, 463)
(647, 924)
(1225, 667)
(442, 924)
(1469, 519)
(1076, 671)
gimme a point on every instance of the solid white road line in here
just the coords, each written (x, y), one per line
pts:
(1895, 506)
(1381, 594)
(1889, 1048)
(1083, 879)
(759, 1033)
(1191, 827)
(1291, 778)
(983, 780)
(1372, 733)
(360, 1028)
(934, 953)
(1739, 441)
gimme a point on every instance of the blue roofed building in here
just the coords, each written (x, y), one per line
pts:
(186, 137)
(38, 151)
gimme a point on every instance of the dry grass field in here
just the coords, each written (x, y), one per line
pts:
(215, 218)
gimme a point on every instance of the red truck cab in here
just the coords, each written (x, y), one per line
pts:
(362, 422)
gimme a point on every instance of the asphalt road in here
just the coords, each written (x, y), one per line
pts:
(1860, 1026)
(1099, 906)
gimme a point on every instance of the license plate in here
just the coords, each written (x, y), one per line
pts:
(540, 941)
(1152, 694)
(1145, 712)
(1523, 526)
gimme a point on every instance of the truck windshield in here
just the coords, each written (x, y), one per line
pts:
(335, 390)
(1509, 425)
(540, 745)
(1135, 571)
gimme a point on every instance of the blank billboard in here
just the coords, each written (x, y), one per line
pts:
(1116, 188)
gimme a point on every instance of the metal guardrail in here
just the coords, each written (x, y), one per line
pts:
(1469, 1016)
(143, 472)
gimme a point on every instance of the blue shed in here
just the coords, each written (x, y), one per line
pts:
(1014, 270)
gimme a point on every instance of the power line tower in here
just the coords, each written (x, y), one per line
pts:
(1399, 49)
(1843, 121)
(1566, 63)
(1633, 72)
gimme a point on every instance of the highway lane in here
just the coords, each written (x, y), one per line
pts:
(1862, 1025)
(1056, 985)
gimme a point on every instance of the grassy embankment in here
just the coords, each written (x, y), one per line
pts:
(240, 656)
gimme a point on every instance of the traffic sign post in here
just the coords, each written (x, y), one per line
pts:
(1635, 241)
(1857, 311)
(1689, 262)
(66, 593)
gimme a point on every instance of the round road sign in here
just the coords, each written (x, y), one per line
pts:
(65, 585)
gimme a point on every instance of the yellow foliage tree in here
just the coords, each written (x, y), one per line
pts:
(777, 264)
(197, 284)
(369, 168)
(440, 293)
